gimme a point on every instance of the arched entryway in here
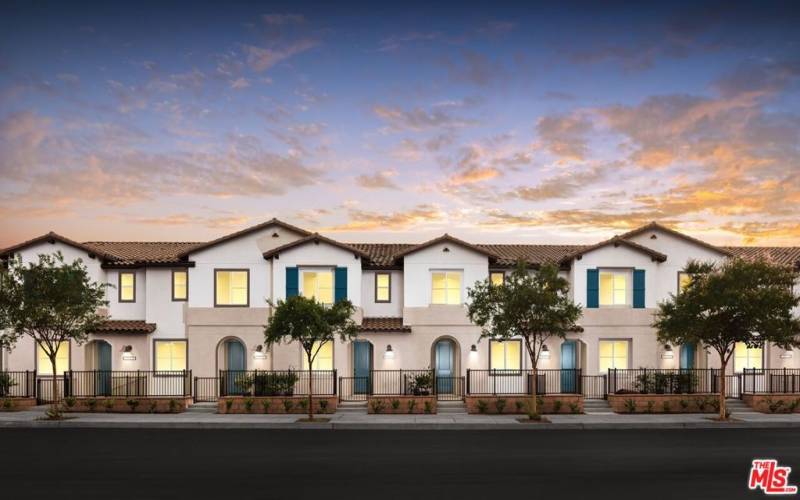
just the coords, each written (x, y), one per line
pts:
(445, 357)
(232, 363)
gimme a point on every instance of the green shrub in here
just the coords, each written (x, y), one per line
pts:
(248, 404)
(793, 405)
(520, 405)
(666, 407)
(91, 403)
(574, 408)
(774, 406)
(395, 404)
(266, 404)
(377, 406)
(228, 405)
(630, 406)
(428, 407)
(684, 404)
(173, 405)
(303, 403)
(323, 406)
(8, 403)
(412, 403)
(482, 406)
(714, 402)
(700, 403)
(108, 404)
(500, 405)
(557, 405)
(6, 383)
(288, 404)
(650, 405)
(153, 406)
(70, 401)
(132, 404)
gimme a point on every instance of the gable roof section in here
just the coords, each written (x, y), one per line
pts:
(446, 238)
(655, 225)
(52, 237)
(616, 241)
(314, 238)
(244, 232)
(143, 253)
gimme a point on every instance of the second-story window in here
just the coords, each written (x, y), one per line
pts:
(614, 287)
(446, 287)
(383, 287)
(497, 277)
(127, 287)
(318, 283)
(180, 285)
(232, 287)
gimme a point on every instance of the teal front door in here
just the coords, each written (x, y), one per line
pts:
(362, 366)
(687, 356)
(569, 363)
(444, 366)
(235, 363)
(103, 364)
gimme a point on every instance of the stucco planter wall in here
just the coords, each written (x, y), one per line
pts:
(493, 405)
(121, 405)
(404, 404)
(773, 403)
(276, 404)
(15, 404)
(664, 403)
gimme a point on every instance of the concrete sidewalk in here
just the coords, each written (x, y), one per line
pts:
(350, 420)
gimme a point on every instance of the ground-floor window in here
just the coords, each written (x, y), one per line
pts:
(505, 354)
(43, 365)
(170, 355)
(324, 358)
(747, 357)
(614, 354)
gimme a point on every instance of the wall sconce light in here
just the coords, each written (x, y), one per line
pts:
(259, 352)
(389, 354)
(473, 349)
(545, 352)
(667, 354)
(127, 353)
(787, 354)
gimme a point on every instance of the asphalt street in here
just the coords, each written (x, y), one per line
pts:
(295, 464)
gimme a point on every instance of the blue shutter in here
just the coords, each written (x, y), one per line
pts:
(638, 288)
(340, 284)
(592, 288)
(292, 288)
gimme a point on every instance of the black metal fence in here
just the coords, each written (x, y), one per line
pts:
(399, 383)
(771, 380)
(17, 384)
(663, 381)
(277, 382)
(45, 385)
(594, 386)
(520, 382)
(206, 389)
(138, 383)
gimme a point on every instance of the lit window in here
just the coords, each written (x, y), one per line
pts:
(43, 365)
(505, 355)
(497, 278)
(614, 288)
(318, 285)
(446, 288)
(747, 357)
(232, 288)
(170, 355)
(180, 281)
(127, 287)
(683, 281)
(613, 354)
(323, 359)
(383, 287)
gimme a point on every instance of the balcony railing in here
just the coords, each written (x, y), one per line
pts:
(520, 382)
(277, 382)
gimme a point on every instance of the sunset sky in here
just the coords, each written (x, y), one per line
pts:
(170, 121)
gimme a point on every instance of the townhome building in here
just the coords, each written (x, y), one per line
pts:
(202, 306)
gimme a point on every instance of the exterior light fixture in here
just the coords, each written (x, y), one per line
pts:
(667, 354)
(545, 352)
(787, 354)
(473, 349)
(259, 352)
(127, 353)
(389, 354)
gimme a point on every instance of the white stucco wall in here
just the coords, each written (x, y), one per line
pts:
(419, 265)
(126, 310)
(372, 308)
(620, 257)
(167, 314)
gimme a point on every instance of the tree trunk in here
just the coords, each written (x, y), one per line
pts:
(534, 402)
(310, 391)
(722, 408)
(55, 408)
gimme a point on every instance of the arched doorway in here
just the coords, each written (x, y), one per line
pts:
(687, 359)
(98, 360)
(232, 363)
(446, 365)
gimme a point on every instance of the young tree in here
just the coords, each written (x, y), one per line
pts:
(51, 302)
(724, 304)
(534, 306)
(311, 324)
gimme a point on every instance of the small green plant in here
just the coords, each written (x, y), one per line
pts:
(395, 404)
(323, 406)
(774, 406)
(153, 406)
(248, 404)
(519, 405)
(91, 403)
(7, 403)
(412, 403)
(6, 383)
(377, 406)
(500, 405)
(533, 415)
(303, 404)
(108, 404)
(700, 403)
(650, 406)
(684, 404)
(482, 406)
(714, 402)
(793, 405)
(630, 406)
(132, 403)
(574, 408)
(266, 404)
(288, 404)
(173, 405)
(70, 401)
(557, 405)
(428, 407)
(54, 412)
(666, 407)
(228, 405)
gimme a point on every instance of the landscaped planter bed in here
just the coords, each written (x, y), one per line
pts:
(393, 405)
(664, 403)
(773, 403)
(276, 404)
(15, 403)
(516, 405)
(126, 405)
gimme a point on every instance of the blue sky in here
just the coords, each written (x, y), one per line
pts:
(529, 123)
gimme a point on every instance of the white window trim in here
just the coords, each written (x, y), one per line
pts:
(628, 287)
(505, 342)
(629, 355)
(737, 369)
(316, 269)
(446, 271)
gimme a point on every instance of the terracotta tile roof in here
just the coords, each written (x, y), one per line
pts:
(52, 237)
(678, 234)
(142, 252)
(382, 254)
(616, 241)
(245, 232)
(126, 326)
(314, 238)
(444, 239)
(509, 255)
(383, 324)
(779, 255)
